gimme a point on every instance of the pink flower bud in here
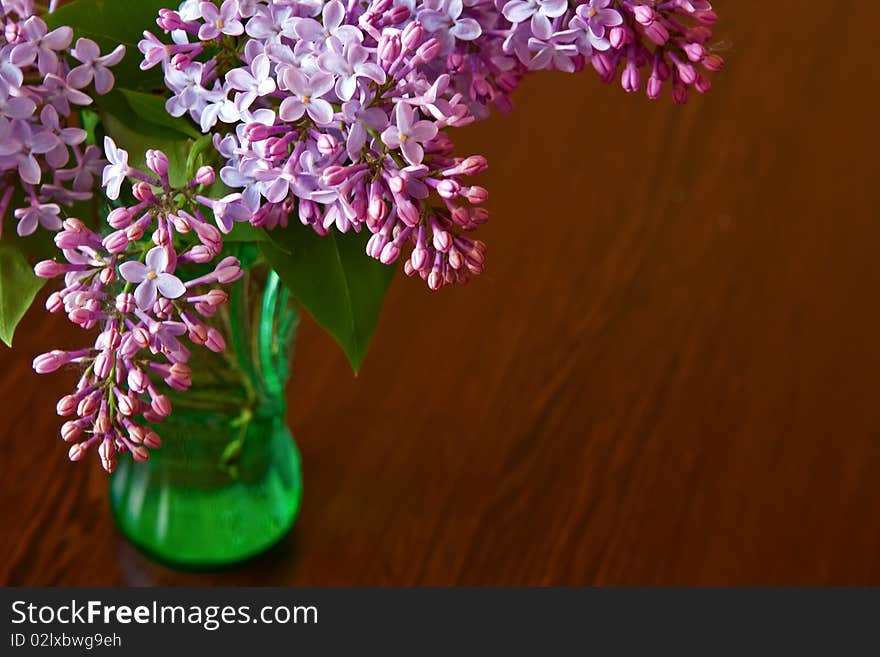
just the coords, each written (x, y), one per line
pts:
(128, 405)
(419, 258)
(396, 14)
(200, 254)
(106, 450)
(161, 406)
(209, 235)
(76, 452)
(455, 259)
(66, 405)
(140, 336)
(380, 6)
(49, 269)
(125, 302)
(617, 37)
(702, 84)
(116, 242)
(88, 404)
(477, 194)
(396, 184)
(603, 64)
(327, 144)
(630, 79)
(151, 439)
(448, 188)
(109, 339)
(408, 212)
(119, 218)
(135, 432)
(442, 240)
(389, 254)
(141, 191)
(198, 333)
(49, 362)
(228, 274)
(137, 380)
(140, 453)
(473, 165)
(161, 237)
(70, 431)
(478, 216)
(216, 297)
(687, 72)
(460, 216)
(428, 50)
(107, 275)
(134, 232)
(657, 33)
(181, 224)
(375, 245)
(163, 308)
(169, 20)
(54, 303)
(413, 35)
(435, 280)
(694, 51)
(334, 175)
(157, 162)
(276, 148)
(644, 14)
(257, 132)
(181, 372)
(104, 364)
(679, 92)
(215, 341)
(389, 46)
(205, 176)
(713, 62)
(102, 424)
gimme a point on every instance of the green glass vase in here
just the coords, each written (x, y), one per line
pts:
(226, 483)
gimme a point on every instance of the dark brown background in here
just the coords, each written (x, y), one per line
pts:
(667, 376)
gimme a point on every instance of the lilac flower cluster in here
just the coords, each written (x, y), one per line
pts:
(39, 87)
(129, 285)
(337, 112)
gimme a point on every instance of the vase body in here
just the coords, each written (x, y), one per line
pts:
(226, 483)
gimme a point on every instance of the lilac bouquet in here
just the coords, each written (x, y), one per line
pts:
(139, 141)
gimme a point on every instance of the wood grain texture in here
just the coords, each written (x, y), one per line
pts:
(668, 374)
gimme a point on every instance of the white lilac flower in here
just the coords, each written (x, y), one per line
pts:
(152, 277)
(306, 97)
(408, 134)
(116, 170)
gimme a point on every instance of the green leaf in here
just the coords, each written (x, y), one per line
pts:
(18, 287)
(335, 280)
(243, 232)
(151, 108)
(114, 22)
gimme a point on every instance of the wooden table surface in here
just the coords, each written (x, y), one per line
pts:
(668, 375)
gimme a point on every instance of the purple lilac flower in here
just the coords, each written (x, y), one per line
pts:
(340, 114)
(306, 97)
(131, 286)
(152, 278)
(219, 21)
(41, 81)
(116, 169)
(408, 134)
(94, 66)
